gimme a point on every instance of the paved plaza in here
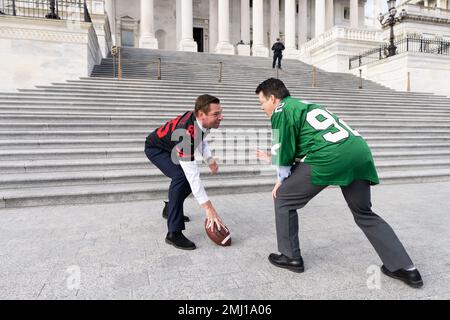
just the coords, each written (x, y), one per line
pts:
(117, 251)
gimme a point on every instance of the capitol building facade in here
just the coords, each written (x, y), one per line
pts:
(324, 33)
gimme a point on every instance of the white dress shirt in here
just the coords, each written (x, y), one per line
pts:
(192, 172)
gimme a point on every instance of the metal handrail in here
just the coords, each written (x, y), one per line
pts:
(220, 71)
(117, 60)
(47, 9)
(406, 44)
(159, 69)
(313, 81)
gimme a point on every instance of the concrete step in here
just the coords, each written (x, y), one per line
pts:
(63, 132)
(399, 135)
(41, 138)
(133, 91)
(226, 98)
(82, 141)
(226, 124)
(149, 174)
(227, 154)
(218, 143)
(141, 162)
(140, 84)
(242, 113)
(26, 197)
(196, 88)
(238, 104)
(48, 114)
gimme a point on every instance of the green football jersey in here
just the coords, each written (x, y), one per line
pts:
(307, 132)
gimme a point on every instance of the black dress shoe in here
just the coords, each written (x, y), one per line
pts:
(411, 278)
(165, 212)
(178, 240)
(282, 261)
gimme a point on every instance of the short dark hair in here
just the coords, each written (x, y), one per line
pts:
(202, 103)
(274, 87)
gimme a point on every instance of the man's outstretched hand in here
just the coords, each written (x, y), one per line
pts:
(213, 165)
(263, 156)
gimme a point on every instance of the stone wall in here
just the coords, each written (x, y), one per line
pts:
(41, 51)
(427, 72)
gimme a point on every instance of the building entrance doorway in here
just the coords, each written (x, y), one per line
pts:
(198, 37)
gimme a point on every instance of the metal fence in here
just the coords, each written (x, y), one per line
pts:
(406, 44)
(49, 9)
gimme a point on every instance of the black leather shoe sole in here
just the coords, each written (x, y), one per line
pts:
(414, 284)
(180, 247)
(291, 268)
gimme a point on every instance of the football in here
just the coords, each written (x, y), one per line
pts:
(221, 238)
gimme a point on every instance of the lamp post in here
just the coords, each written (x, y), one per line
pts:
(52, 14)
(391, 20)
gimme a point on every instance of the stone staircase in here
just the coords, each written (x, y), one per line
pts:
(82, 141)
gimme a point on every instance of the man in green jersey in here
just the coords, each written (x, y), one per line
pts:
(312, 149)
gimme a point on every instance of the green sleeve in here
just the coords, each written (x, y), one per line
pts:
(283, 139)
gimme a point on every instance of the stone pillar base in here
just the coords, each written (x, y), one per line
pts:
(243, 49)
(225, 48)
(188, 45)
(260, 51)
(291, 53)
(148, 42)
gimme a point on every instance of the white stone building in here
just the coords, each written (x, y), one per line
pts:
(218, 25)
(324, 33)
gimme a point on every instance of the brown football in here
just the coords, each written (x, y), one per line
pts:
(221, 238)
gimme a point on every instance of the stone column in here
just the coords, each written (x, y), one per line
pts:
(147, 36)
(258, 48)
(302, 22)
(213, 25)
(244, 49)
(376, 10)
(320, 17)
(110, 8)
(187, 42)
(329, 14)
(354, 14)
(289, 30)
(274, 21)
(223, 45)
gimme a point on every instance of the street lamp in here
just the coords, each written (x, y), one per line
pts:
(391, 20)
(52, 14)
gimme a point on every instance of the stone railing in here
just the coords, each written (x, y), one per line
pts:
(426, 12)
(342, 33)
